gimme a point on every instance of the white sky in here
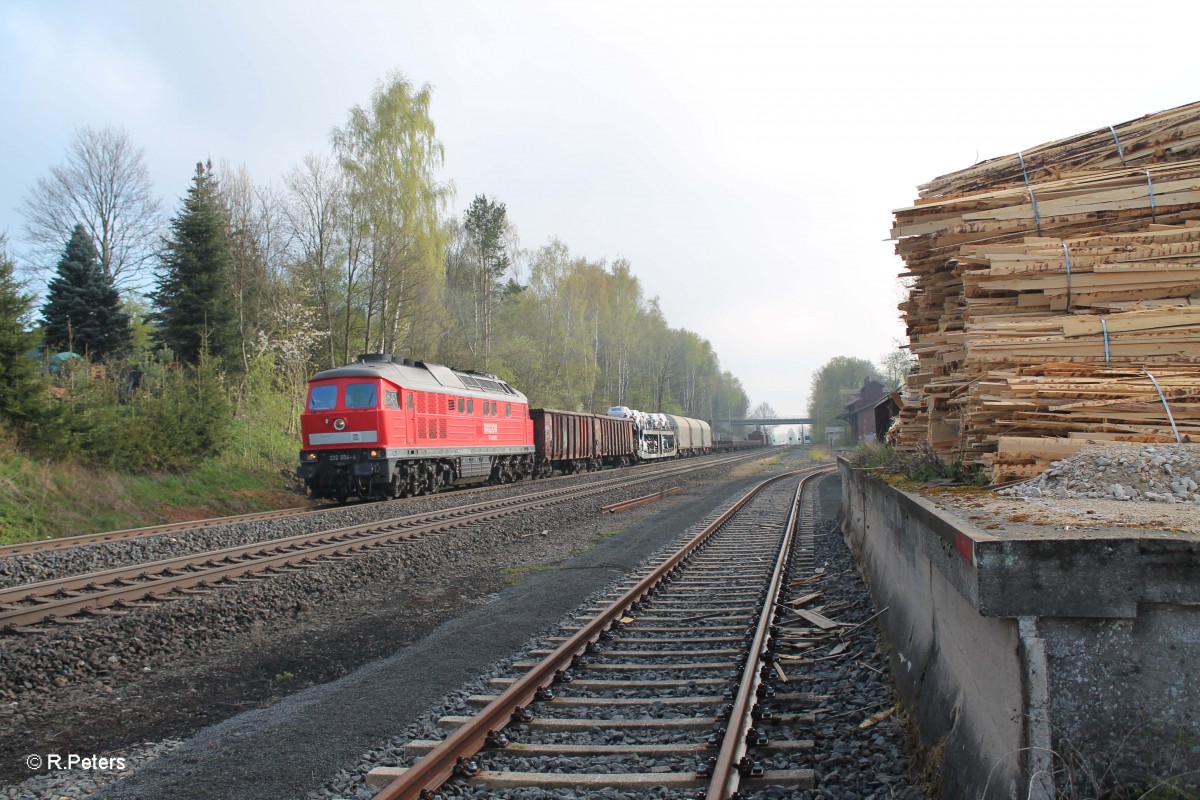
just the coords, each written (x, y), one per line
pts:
(745, 157)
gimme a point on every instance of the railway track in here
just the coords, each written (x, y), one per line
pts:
(114, 590)
(67, 542)
(686, 682)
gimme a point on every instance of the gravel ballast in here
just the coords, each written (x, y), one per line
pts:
(850, 762)
(1161, 473)
(51, 564)
(214, 656)
(319, 741)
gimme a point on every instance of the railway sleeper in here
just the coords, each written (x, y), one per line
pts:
(798, 778)
(419, 747)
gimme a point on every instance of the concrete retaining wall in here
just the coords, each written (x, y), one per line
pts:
(1034, 667)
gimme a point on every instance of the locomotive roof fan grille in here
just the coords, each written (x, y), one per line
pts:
(385, 358)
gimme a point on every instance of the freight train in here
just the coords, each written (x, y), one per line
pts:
(383, 427)
(725, 442)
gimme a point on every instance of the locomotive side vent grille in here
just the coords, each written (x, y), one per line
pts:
(442, 428)
(422, 433)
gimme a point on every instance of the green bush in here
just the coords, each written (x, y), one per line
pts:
(177, 419)
(261, 436)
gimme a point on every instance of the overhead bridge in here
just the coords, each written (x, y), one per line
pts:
(773, 421)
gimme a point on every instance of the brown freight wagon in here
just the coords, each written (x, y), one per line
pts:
(574, 441)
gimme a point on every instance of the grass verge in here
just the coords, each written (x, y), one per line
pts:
(40, 499)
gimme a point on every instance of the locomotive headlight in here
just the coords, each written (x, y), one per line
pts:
(373, 454)
(309, 456)
(339, 424)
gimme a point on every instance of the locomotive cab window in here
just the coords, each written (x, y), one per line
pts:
(508, 409)
(409, 396)
(322, 398)
(470, 406)
(461, 405)
(391, 399)
(485, 409)
(493, 408)
(361, 395)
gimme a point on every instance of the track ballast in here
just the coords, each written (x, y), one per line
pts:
(671, 687)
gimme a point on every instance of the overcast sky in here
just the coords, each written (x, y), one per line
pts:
(744, 157)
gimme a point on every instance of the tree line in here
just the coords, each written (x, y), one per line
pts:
(250, 287)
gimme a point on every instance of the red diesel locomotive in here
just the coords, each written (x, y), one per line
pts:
(383, 427)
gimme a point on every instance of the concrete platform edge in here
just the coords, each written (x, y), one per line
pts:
(1033, 667)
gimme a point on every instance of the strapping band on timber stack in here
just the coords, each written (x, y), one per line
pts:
(1050, 291)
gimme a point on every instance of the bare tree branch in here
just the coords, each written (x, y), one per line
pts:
(105, 186)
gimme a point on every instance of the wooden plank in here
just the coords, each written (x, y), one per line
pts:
(1040, 447)
(820, 620)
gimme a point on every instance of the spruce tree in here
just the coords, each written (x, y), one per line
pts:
(83, 310)
(22, 395)
(193, 300)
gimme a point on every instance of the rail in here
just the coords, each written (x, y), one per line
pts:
(454, 754)
(113, 588)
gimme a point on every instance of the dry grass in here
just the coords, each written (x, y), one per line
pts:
(753, 467)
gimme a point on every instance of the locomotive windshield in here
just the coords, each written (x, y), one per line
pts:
(360, 395)
(322, 398)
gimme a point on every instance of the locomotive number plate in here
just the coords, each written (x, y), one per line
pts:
(341, 456)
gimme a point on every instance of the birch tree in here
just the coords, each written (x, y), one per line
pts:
(315, 207)
(256, 243)
(481, 251)
(390, 155)
(618, 331)
(896, 364)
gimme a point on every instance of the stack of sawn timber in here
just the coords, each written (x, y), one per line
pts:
(1043, 312)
